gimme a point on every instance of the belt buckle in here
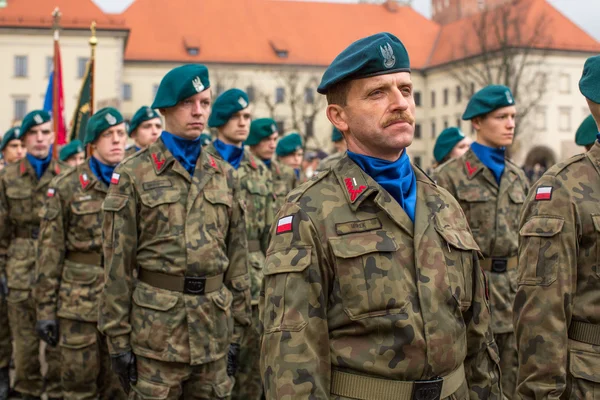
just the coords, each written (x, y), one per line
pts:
(499, 265)
(194, 285)
(428, 390)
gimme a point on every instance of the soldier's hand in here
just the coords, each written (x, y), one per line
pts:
(125, 367)
(47, 330)
(3, 286)
(232, 359)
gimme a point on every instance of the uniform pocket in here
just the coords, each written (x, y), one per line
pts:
(223, 317)
(160, 215)
(80, 288)
(86, 223)
(538, 243)
(113, 203)
(475, 201)
(146, 390)
(585, 370)
(20, 204)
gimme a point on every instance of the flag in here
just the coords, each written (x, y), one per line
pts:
(48, 97)
(58, 98)
(82, 108)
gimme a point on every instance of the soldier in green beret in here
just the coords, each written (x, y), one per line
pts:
(372, 285)
(491, 189)
(174, 213)
(586, 133)
(556, 308)
(450, 144)
(70, 274)
(340, 147)
(73, 153)
(231, 116)
(262, 141)
(290, 152)
(23, 187)
(11, 147)
(144, 128)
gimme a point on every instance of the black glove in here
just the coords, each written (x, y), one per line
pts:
(126, 369)
(48, 331)
(3, 286)
(232, 359)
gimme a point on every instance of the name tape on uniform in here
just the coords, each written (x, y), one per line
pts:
(285, 224)
(543, 193)
(115, 178)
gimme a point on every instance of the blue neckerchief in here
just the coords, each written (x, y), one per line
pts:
(491, 158)
(137, 148)
(102, 171)
(268, 163)
(40, 164)
(230, 153)
(297, 172)
(397, 177)
(186, 151)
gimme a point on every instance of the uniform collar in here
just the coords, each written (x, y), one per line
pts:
(162, 158)
(87, 179)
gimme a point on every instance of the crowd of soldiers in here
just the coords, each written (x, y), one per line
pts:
(192, 266)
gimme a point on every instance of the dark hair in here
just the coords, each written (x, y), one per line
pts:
(338, 93)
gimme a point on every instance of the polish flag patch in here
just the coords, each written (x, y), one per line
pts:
(115, 178)
(543, 193)
(285, 224)
(51, 192)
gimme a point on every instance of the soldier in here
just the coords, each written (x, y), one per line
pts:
(23, 187)
(372, 286)
(491, 189)
(263, 141)
(144, 129)
(586, 133)
(231, 116)
(340, 149)
(290, 152)
(173, 212)
(556, 315)
(11, 147)
(451, 143)
(72, 154)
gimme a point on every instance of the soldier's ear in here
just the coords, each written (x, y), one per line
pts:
(476, 123)
(337, 117)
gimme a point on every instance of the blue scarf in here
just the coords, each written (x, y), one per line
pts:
(230, 153)
(268, 163)
(137, 148)
(491, 158)
(102, 171)
(186, 151)
(40, 164)
(397, 177)
(297, 172)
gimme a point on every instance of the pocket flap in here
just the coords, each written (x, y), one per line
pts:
(149, 390)
(77, 340)
(350, 246)
(542, 226)
(18, 193)
(223, 299)
(49, 213)
(459, 238)
(84, 276)
(584, 365)
(256, 188)
(473, 195)
(241, 283)
(158, 197)
(596, 219)
(219, 197)
(115, 202)
(293, 259)
(17, 296)
(154, 299)
(86, 207)
(517, 197)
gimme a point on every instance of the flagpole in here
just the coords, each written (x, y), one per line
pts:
(93, 43)
(55, 123)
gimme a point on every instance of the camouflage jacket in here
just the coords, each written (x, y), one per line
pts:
(158, 218)
(22, 196)
(284, 181)
(492, 211)
(559, 282)
(351, 283)
(256, 186)
(130, 151)
(330, 160)
(71, 225)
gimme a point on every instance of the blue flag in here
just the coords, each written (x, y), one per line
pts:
(48, 98)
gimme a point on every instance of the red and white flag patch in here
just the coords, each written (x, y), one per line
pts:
(543, 193)
(51, 192)
(285, 224)
(114, 179)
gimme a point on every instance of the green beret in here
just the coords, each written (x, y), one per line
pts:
(288, 144)
(11, 134)
(260, 129)
(488, 99)
(101, 121)
(34, 118)
(587, 132)
(446, 142)
(227, 104)
(205, 139)
(70, 149)
(336, 135)
(379, 54)
(145, 113)
(589, 84)
(180, 83)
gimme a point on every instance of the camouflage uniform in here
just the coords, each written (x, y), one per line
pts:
(330, 160)
(492, 211)
(556, 314)
(353, 287)
(170, 225)
(70, 279)
(284, 181)
(130, 151)
(5, 338)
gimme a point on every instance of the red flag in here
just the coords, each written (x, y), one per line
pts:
(58, 98)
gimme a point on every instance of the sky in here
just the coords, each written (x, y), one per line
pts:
(583, 12)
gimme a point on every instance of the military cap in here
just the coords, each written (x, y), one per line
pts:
(446, 142)
(145, 113)
(379, 54)
(34, 118)
(488, 99)
(336, 135)
(11, 134)
(227, 104)
(260, 129)
(587, 132)
(288, 144)
(589, 84)
(180, 83)
(99, 122)
(205, 139)
(70, 149)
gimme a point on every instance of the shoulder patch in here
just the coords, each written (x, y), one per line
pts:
(284, 224)
(51, 192)
(114, 179)
(353, 190)
(543, 193)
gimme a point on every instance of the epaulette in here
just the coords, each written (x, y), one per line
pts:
(558, 168)
(297, 193)
(446, 163)
(425, 173)
(138, 153)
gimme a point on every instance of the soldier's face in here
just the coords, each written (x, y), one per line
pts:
(293, 160)
(147, 132)
(379, 115)
(236, 130)
(13, 151)
(76, 159)
(266, 147)
(109, 148)
(496, 129)
(39, 139)
(461, 148)
(187, 119)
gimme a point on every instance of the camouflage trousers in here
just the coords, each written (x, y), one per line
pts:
(28, 371)
(174, 381)
(5, 342)
(248, 383)
(509, 362)
(85, 363)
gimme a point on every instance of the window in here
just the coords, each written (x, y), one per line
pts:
(49, 65)
(432, 98)
(81, 66)
(21, 66)
(309, 95)
(564, 83)
(280, 127)
(445, 97)
(418, 131)
(127, 91)
(309, 127)
(445, 123)
(433, 130)
(154, 90)
(458, 94)
(250, 93)
(279, 95)
(459, 122)
(564, 119)
(20, 108)
(417, 96)
(540, 118)
(472, 91)
(193, 51)
(417, 160)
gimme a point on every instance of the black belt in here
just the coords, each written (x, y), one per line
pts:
(27, 232)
